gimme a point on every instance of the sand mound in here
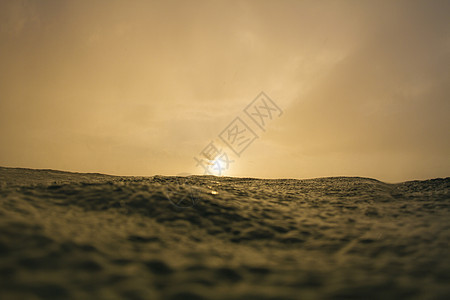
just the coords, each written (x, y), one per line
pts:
(92, 236)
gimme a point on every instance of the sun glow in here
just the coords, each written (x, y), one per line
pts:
(219, 167)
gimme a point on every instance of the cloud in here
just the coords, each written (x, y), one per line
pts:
(356, 79)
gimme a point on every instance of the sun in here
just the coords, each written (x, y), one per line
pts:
(219, 167)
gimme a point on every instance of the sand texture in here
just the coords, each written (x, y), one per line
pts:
(92, 236)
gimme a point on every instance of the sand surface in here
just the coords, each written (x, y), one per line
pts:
(92, 236)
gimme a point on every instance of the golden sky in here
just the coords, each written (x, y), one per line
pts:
(141, 87)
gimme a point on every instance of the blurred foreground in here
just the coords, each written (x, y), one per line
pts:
(92, 236)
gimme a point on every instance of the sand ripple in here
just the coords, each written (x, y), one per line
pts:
(92, 236)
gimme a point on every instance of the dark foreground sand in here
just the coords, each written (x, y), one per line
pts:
(93, 236)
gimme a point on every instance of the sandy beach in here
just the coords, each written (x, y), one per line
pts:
(93, 236)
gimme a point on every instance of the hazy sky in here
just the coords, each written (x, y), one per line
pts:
(141, 87)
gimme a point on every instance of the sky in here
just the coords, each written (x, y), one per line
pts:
(144, 87)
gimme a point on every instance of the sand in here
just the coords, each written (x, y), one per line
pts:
(92, 236)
